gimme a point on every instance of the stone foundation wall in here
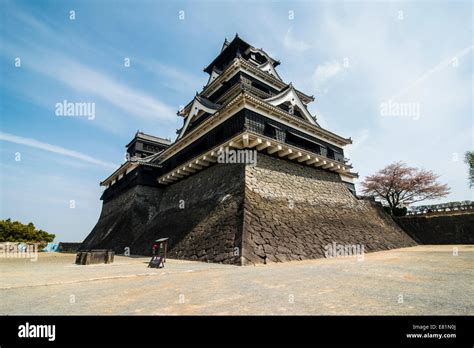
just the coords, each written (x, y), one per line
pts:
(123, 219)
(293, 211)
(202, 215)
(444, 228)
(241, 214)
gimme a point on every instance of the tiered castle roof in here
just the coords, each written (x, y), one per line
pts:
(246, 104)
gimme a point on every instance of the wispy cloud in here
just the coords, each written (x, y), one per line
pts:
(54, 149)
(325, 72)
(377, 45)
(452, 61)
(171, 76)
(292, 43)
(90, 81)
(360, 138)
(50, 61)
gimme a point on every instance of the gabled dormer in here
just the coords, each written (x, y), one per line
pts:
(289, 101)
(199, 109)
(258, 57)
(268, 67)
(214, 75)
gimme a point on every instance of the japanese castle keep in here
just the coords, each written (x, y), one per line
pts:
(296, 198)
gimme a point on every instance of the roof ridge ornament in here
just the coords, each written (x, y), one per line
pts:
(224, 45)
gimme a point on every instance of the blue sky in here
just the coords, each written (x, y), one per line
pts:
(353, 56)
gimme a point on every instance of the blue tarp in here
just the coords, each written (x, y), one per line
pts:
(52, 247)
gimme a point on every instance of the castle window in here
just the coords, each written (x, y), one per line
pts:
(330, 153)
(298, 140)
(270, 130)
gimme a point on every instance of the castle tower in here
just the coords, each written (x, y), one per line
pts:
(293, 199)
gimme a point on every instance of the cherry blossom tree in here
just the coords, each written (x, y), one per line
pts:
(399, 184)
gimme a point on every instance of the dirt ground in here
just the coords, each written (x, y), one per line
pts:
(434, 280)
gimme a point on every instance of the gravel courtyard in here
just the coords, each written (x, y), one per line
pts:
(410, 281)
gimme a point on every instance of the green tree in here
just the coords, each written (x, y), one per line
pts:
(470, 162)
(15, 231)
